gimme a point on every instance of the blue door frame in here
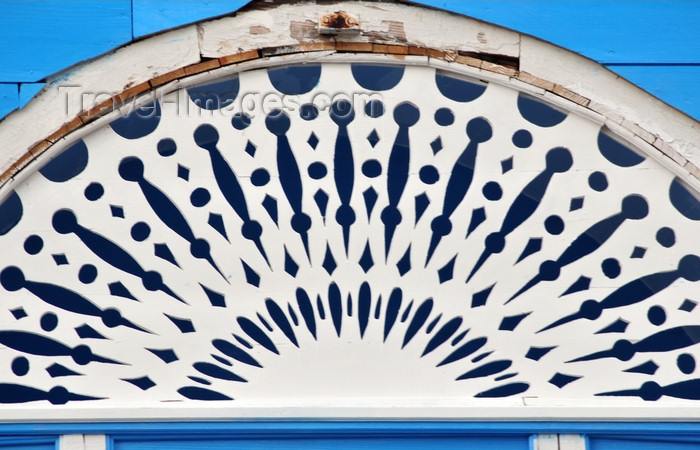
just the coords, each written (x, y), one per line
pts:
(128, 435)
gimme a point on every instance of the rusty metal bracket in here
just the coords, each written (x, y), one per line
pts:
(337, 23)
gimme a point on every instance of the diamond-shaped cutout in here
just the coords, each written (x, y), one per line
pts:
(404, 264)
(143, 383)
(117, 211)
(507, 165)
(217, 223)
(290, 266)
(447, 271)
(509, 323)
(270, 205)
(436, 145)
(250, 148)
(535, 353)
(479, 299)
(329, 262)
(534, 245)
(638, 253)
(373, 138)
(560, 380)
(619, 326)
(648, 368)
(321, 199)
(60, 259)
(422, 201)
(582, 284)
(370, 196)
(251, 276)
(687, 305)
(183, 172)
(576, 203)
(18, 313)
(366, 261)
(313, 140)
(162, 251)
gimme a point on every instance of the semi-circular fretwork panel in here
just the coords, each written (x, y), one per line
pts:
(429, 236)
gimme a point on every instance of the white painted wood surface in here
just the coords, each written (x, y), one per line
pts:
(612, 95)
(82, 442)
(397, 24)
(546, 442)
(572, 442)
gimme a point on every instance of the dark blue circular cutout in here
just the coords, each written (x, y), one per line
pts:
(372, 168)
(611, 268)
(406, 114)
(49, 321)
(166, 147)
(20, 366)
(87, 274)
(377, 78)
(374, 108)
(522, 139)
(317, 170)
(240, 121)
(66, 164)
(11, 212)
(681, 199)
(260, 177)
(140, 231)
(139, 123)
(492, 191)
(598, 181)
(538, 112)
(295, 80)
(200, 197)
(666, 237)
(215, 95)
(33, 244)
(94, 191)
(616, 152)
(308, 111)
(479, 130)
(342, 112)
(656, 315)
(686, 363)
(429, 174)
(444, 117)
(277, 122)
(554, 224)
(457, 89)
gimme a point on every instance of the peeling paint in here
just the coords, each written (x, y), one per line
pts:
(259, 29)
(303, 31)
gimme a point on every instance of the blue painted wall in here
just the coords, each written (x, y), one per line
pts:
(653, 43)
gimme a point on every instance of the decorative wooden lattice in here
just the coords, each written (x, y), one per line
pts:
(447, 238)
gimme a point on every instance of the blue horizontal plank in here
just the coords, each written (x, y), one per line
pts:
(151, 16)
(258, 428)
(39, 38)
(679, 86)
(9, 98)
(649, 31)
(27, 91)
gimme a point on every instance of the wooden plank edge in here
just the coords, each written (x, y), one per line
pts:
(342, 47)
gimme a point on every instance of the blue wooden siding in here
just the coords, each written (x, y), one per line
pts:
(348, 442)
(28, 443)
(652, 43)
